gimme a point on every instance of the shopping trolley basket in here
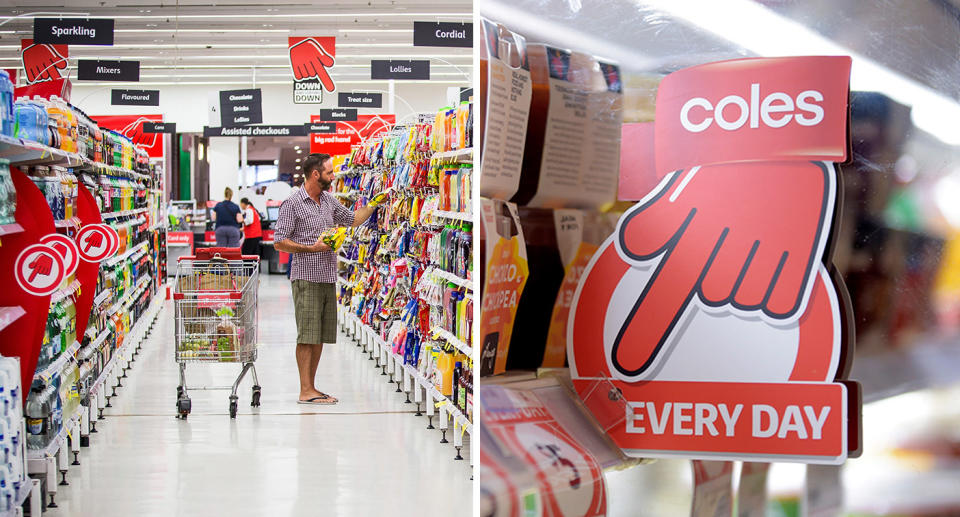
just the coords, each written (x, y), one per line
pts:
(215, 311)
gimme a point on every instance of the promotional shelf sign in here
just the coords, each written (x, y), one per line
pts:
(714, 311)
(135, 97)
(442, 34)
(311, 59)
(349, 133)
(99, 70)
(73, 31)
(42, 61)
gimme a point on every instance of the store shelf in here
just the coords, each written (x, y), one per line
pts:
(123, 256)
(894, 372)
(124, 213)
(453, 340)
(10, 314)
(346, 260)
(21, 497)
(58, 441)
(458, 216)
(100, 339)
(345, 283)
(455, 156)
(345, 194)
(56, 366)
(454, 411)
(133, 294)
(67, 223)
(450, 277)
(102, 297)
(10, 229)
(65, 292)
(138, 327)
(22, 152)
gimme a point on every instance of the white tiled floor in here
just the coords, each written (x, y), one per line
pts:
(368, 455)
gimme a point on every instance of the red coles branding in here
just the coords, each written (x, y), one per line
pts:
(764, 109)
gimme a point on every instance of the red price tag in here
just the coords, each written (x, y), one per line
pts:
(39, 269)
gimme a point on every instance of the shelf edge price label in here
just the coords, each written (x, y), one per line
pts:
(39, 269)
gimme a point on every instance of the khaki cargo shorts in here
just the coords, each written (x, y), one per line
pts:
(315, 307)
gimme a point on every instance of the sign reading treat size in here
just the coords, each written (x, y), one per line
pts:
(359, 100)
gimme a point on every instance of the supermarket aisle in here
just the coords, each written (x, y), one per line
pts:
(368, 455)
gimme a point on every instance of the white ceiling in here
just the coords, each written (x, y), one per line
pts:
(242, 41)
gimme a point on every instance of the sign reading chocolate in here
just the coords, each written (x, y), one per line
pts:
(713, 315)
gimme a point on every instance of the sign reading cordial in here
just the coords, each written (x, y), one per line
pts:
(442, 34)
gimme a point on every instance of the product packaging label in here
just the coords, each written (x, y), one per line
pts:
(581, 146)
(712, 488)
(714, 307)
(506, 275)
(752, 490)
(823, 491)
(509, 91)
(569, 476)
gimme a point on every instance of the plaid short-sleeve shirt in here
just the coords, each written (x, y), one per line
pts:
(302, 220)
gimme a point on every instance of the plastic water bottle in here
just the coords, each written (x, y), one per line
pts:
(6, 103)
(37, 413)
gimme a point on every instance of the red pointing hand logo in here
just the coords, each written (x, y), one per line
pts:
(40, 265)
(39, 270)
(42, 62)
(309, 59)
(95, 243)
(92, 240)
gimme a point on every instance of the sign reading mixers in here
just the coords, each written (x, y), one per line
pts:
(713, 316)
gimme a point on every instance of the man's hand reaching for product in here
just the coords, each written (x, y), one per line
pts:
(744, 236)
(320, 245)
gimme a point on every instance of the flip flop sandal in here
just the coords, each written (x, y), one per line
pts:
(322, 399)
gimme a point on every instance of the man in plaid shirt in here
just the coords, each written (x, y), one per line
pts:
(304, 216)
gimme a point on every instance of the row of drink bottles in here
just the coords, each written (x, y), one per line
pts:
(12, 461)
(8, 194)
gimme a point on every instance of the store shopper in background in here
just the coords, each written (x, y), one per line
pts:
(304, 216)
(229, 220)
(252, 231)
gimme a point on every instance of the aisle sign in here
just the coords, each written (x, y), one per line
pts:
(360, 100)
(298, 130)
(322, 128)
(442, 34)
(67, 249)
(310, 59)
(73, 31)
(159, 127)
(241, 107)
(135, 97)
(99, 70)
(416, 70)
(719, 321)
(349, 133)
(39, 270)
(340, 115)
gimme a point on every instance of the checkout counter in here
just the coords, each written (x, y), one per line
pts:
(277, 261)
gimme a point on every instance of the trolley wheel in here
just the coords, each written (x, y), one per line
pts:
(183, 407)
(255, 400)
(233, 406)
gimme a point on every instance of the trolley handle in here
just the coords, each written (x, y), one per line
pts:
(222, 253)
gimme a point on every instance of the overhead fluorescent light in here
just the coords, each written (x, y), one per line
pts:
(763, 31)
(259, 16)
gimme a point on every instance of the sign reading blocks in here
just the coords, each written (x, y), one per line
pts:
(345, 115)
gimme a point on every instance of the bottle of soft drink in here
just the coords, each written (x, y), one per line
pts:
(6, 104)
(37, 412)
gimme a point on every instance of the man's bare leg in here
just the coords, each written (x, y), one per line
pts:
(307, 367)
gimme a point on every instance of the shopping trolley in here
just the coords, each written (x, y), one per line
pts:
(215, 311)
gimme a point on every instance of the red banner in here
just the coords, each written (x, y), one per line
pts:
(131, 126)
(42, 61)
(349, 134)
(761, 109)
(87, 271)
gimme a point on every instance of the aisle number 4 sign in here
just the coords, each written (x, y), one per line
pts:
(713, 314)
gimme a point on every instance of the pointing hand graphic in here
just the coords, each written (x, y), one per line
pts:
(42, 62)
(41, 265)
(731, 235)
(309, 59)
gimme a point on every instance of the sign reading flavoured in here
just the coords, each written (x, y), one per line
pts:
(340, 115)
(442, 34)
(411, 70)
(98, 70)
(73, 31)
(159, 127)
(298, 130)
(714, 314)
(322, 128)
(135, 97)
(311, 59)
(241, 107)
(360, 100)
